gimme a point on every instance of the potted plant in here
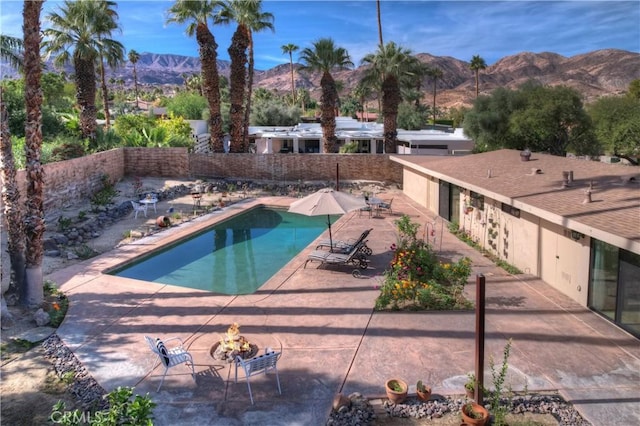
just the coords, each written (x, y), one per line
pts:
(163, 222)
(423, 392)
(470, 385)
(474, 414)
(397, 390)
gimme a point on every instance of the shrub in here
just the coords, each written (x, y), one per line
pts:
(187, 105)
(416, 279)
(124, 409)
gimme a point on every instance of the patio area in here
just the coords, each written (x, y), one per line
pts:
(331, 338)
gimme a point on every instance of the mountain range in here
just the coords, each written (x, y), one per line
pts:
(593, 74)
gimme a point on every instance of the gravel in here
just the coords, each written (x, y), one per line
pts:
(360, 411)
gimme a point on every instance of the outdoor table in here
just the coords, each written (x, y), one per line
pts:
(150, 200)
(375, 202)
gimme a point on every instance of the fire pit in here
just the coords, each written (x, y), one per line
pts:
(232, 345)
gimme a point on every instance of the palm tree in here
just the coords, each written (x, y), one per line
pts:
(134, 57)
(290, 48)
(197, 13)
(77, 32)
(110, 50)
(249, 17)
(477, 64)
(362, 91)
(32, 291)
(325, 57)
(392, 65)
(379, 23)
(435, 73)
(11, 51)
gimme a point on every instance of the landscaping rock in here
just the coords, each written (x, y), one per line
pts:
(41, 317)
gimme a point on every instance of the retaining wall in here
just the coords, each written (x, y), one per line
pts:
(68, 182)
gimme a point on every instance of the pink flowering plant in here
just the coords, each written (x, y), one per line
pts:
(417, 279)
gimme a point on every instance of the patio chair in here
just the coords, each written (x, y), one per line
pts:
(346, 246)
(259, 364)
(386, 206)
(138, 207)
(176, 355)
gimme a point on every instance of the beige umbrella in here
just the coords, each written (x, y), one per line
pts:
(327, 201)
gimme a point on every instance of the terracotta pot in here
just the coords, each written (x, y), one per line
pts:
(424, 396)
(393, 395)
(476, 408)
(163, 221)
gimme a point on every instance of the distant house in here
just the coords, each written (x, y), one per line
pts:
(574, 223)
(307, 138)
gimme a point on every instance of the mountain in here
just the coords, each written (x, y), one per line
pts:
(594, 74)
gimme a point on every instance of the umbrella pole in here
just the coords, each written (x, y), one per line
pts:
(330, 238)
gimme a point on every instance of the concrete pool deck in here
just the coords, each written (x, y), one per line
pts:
(332, 341)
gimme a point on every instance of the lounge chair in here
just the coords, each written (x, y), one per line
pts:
(386, 206)
(345, 246)
(354, 257)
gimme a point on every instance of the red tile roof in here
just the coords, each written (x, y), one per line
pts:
(615, 206)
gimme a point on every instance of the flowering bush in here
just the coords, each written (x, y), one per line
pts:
(416, 279)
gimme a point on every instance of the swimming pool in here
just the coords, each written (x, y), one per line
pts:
(236, 256)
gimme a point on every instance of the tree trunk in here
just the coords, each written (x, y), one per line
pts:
(211, 84)
(86, 95)
(247, 108)
(12, 213)
(390, 101)
(328, 119)
(293, 84)
(105, 96)
(238, 55)
(135, 83)
(32, 292)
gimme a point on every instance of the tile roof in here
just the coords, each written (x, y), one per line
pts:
(536, 186)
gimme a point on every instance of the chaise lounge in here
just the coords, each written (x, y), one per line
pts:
(346, 246)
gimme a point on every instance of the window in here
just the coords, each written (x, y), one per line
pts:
(510, 210)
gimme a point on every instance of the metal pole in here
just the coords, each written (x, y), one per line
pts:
(480, 292)
(337, 177)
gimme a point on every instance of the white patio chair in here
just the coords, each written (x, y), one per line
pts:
(137, 208)
(257, 365)
(170, 357)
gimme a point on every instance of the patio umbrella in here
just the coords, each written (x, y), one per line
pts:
(327, 201)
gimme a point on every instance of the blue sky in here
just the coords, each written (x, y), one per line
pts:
(459, 29)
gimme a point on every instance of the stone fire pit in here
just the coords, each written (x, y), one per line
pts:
(232, 345)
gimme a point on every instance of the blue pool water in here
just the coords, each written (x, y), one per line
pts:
(236, 256)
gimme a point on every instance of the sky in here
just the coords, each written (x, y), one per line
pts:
(459, 29)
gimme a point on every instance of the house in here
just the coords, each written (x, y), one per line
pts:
(574, 223)
(307, 138)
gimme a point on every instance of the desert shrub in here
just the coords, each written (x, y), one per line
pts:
(187, 105)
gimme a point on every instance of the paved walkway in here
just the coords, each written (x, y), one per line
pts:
(333, 341)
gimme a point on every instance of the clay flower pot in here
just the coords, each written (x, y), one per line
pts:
(474, 414)
(423, 392)
(397, 390)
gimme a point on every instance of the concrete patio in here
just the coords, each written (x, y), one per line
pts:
(331, 338)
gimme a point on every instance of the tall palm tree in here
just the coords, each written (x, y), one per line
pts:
(435, 73)
(391, 64)
(32, 292)
(250, 18)
(362, 91)
(77, 33)
(325, 57)
(290, 48)
(198, 13)
(111, 51)
(11, 50)
(477, 64)
(379, 23)
(134, 57)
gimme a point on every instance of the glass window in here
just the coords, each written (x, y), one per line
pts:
(603, 278)
(629, 299)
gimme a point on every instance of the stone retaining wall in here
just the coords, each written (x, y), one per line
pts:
(68, 182)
